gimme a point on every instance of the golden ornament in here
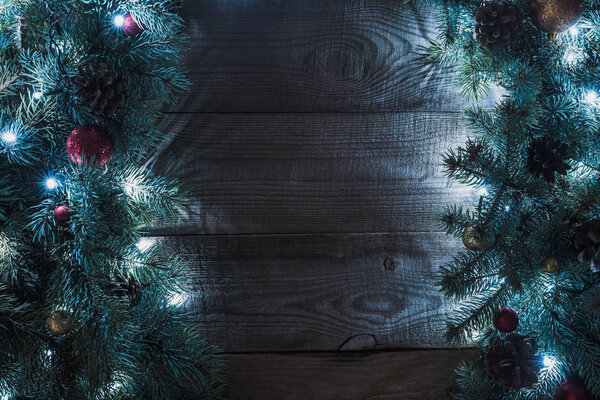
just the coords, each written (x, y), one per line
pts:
(555, 16)
(549, 265)
(472, 239)
(58, 323)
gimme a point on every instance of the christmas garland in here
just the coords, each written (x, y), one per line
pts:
(88, 308)
(527, 287)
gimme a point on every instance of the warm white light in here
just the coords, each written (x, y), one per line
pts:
(574, 31)
(144, 244)
(177, 299)
(36, 95)
(9, 137)
(507, 208)
(549, 361)
(52, 183)
(119, 20)
(49, 353)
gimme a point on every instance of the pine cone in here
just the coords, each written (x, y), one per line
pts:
(587, 243)
(99, 89)
(546, 156)
(499, 22)
(128, 287)
(513, 363)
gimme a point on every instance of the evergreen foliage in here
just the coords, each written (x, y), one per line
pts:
(135, 346)
(550, 91)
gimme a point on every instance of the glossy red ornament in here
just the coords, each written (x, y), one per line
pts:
(573, 389)
(130, 27)
(88, 142)
(62, 214)
(506, 320)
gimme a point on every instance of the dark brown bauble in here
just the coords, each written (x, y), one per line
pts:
(573, 389)
(546, 157)
(99, 89)
(498, 23)
(90, 142)
(513, 363)
(587, 243)
(58, 323)
(62, 214)
(549, 265)
(131, 27)
(473, 240)
(506, 320)
(555, 16)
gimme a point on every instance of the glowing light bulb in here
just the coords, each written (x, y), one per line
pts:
(507, 208)
(548, 361)
(177, 299)
(144, 244)
(37, 95)
(483, 192)
(119, 20)
(574, 31)
(571, 57)
(52, 183)
(591, 97)
(9, 137)
(49, 353)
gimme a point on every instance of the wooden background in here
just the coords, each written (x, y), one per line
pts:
(311, 141)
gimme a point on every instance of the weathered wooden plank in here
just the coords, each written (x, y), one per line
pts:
(311, 173)
(313, 55)
(318, 292)
(399, 375)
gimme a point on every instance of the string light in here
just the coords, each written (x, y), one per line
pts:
(119, 20)
(574, 31)
(144, 244)
(591, 97)
(177, 299)
(37, 95)
(507, 208)
(9, 137)
(548, 361)
(572, 57)
(483, 191)
(52, 183)
(49, 353)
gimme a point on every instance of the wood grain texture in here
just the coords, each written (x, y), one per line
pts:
(313, 55)
(318, 292)
(311, 173)
(400, 375)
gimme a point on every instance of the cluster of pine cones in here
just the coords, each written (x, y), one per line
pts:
(513, 363)
(499, 22)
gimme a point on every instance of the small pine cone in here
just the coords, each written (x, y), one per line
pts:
(99, 89)
(587, 243)
(545, 157)
(128, 287)
(513, 363)
(499, 22)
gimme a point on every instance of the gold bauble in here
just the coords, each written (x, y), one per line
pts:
(58, 323)
(549, 265)
(472, 239)
(555, 16)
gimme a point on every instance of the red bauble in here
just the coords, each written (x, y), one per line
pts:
(573, 389)
(506, 320)
(88, 142)
(130, 27)
(62, 214)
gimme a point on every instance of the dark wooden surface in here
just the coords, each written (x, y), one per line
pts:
(311, 144)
